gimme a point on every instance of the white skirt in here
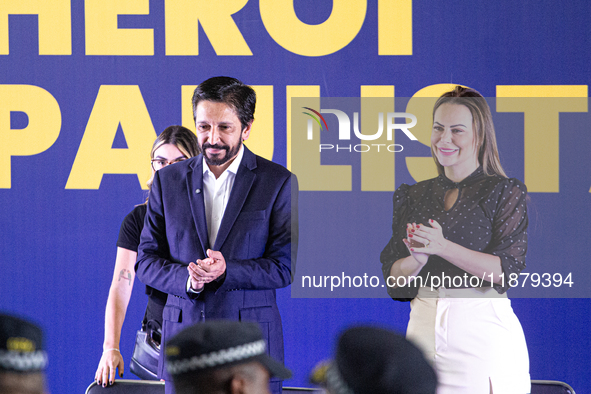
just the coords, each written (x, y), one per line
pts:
(473, 340)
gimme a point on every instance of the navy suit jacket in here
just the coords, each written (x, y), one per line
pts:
(257, 238)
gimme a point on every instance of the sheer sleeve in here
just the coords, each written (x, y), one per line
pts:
(395, 248)
(509, 237)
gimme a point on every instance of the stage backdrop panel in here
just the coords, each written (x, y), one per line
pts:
(86, 86)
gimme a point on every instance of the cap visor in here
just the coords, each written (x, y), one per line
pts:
(275, 368)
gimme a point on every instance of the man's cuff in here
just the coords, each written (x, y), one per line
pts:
(189, 289)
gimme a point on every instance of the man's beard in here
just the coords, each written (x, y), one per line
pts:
(220, 158)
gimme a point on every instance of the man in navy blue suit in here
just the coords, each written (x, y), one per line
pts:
(218, 235)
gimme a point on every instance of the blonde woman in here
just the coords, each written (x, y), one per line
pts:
(456, 241)
(174, 144)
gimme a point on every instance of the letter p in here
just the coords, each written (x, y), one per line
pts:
(332, 282)
(45, 122)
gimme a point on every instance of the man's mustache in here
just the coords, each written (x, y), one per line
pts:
(216, 146)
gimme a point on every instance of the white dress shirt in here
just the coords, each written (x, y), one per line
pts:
(216, 193)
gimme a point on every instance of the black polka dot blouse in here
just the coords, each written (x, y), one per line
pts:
(489, 216)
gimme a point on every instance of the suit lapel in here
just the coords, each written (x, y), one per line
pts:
(195, 189)
(242, 184)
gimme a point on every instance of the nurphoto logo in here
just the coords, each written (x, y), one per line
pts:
(344, 131)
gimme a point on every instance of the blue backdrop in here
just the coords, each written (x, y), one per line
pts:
(85, 86)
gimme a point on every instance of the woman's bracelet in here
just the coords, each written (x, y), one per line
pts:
(108, 350)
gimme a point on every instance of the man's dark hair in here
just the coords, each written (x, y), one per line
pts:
(240, 97)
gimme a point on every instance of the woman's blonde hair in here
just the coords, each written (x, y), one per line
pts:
(485, 140)
(181, 137)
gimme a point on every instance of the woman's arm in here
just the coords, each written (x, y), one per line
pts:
(479, 264)
(407, 267)
(119, 296)
(505, 253)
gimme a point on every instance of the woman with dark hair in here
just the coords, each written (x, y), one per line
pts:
(457, 241)
(174, 144)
